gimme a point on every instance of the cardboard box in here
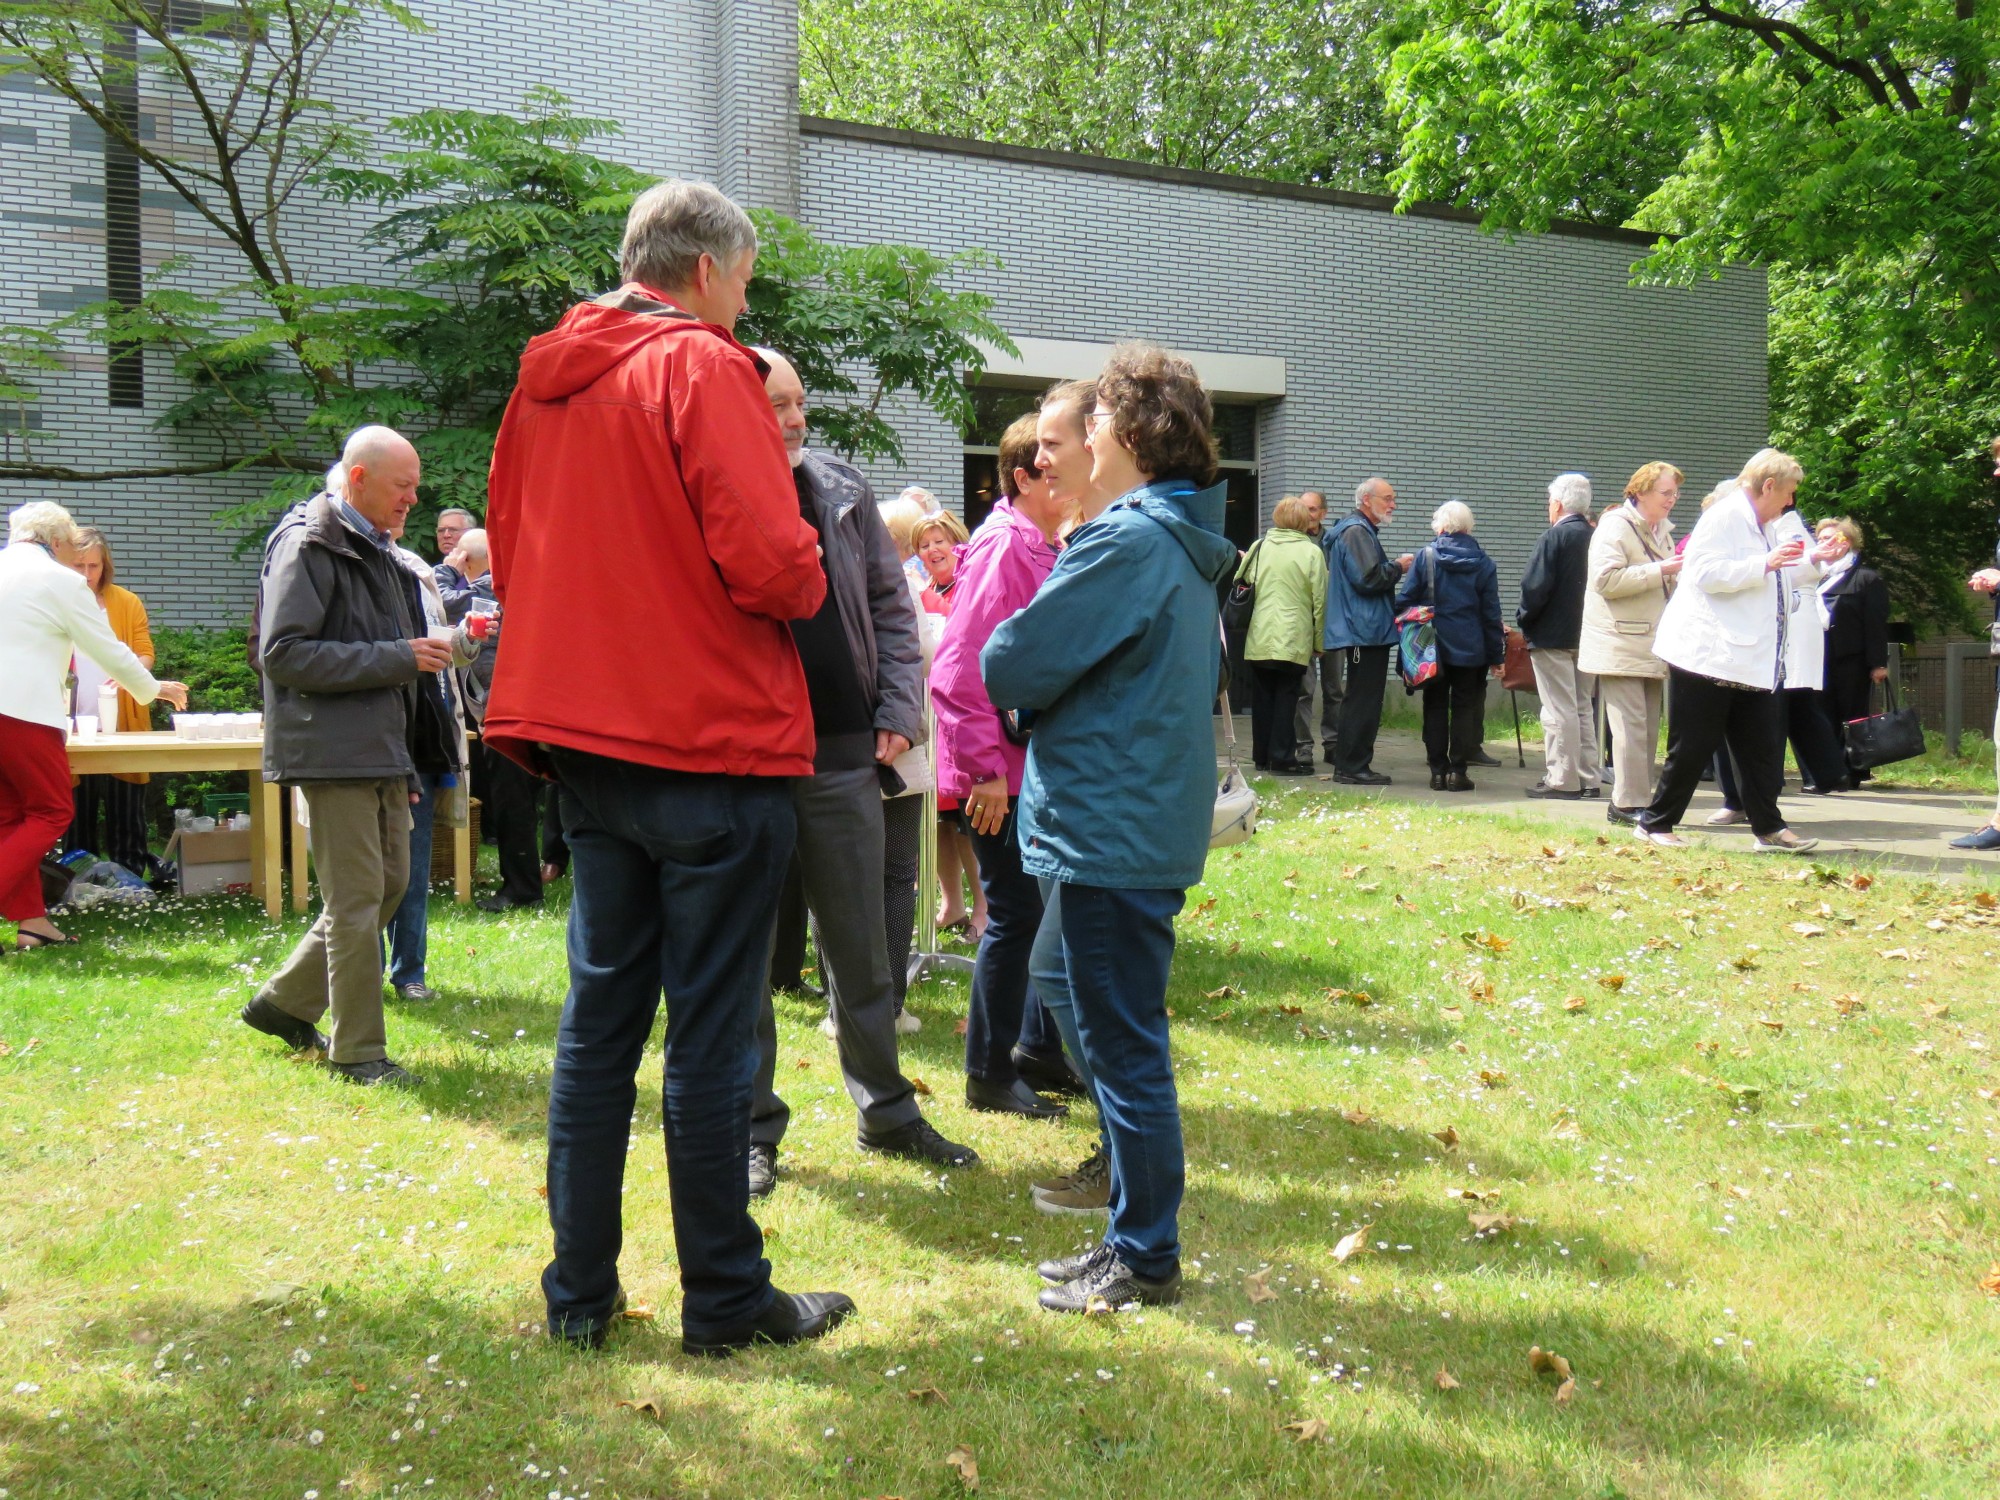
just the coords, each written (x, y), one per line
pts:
(211, 862)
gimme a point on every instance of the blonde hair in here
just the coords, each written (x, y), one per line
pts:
(901, 515)
(1453, 515)
(89, 539)
(939, 520)
(1294, 513)
(1768, 465)
(1727, 487)
(41, 521)
(1646, 476)
(1846, 527)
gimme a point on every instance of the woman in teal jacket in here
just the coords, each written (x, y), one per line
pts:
(1288, 570)
(1118, 656)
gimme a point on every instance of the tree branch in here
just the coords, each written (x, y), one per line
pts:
(1775, 33)
(62, 474)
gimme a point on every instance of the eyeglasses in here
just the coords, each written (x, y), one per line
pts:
(1092, 420)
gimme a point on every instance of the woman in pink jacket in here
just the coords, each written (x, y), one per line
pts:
(1010, 1046)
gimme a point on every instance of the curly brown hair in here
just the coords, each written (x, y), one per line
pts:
(1160, 411)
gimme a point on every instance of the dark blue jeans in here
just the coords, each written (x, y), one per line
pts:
(406, 939)
(1118, 946)
(676, 882)
(1005, 1010)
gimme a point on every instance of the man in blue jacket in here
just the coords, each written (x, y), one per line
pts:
(1361, 584)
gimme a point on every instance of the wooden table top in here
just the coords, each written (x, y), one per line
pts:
(161, 751)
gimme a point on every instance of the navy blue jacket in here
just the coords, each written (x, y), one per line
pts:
(1360, 580)
(1456, 577)
(1118, 652)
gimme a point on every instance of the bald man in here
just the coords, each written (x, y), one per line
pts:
(342, 649)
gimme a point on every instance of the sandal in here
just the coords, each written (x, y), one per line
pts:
(28, 942)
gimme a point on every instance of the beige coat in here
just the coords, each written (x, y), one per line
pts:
(1622, 606)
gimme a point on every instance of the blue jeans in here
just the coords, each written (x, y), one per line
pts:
(1051, 980)
(1118, 946)
(406, 939)
(676, 880)
(1005, 1010)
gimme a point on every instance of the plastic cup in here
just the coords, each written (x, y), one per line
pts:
(440, 633)
(86, 726)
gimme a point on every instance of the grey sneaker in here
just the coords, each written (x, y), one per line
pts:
(380, 1070)
(1113, 1284)
(416, 993)
(1088, 1190)
(1068, 1267)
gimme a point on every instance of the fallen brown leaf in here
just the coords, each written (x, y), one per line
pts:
(1849, 1005)
(1226, 992)
(1098, 1307)
(1566, 1392)
(960, 1458)
(1356, 1116)
(1352, 1244)
(1808, 929)
(1452, 1013)
(960, 1027)
(1444, 1380)
(638, 1312)
(1990, 1282)
(1566, 1129)
(1612, 981)
(1862, 882)
(1258, 1286)
(1576, 1002)
(1490, 1223)
(1447, 1137)
(647, 1406)
(1543, 1362)
(1744, 964)
(917, 1085)
(928, 1395)
(1480, 988)
(1936, 1012)
(1309, 1430)
(1205, 907)
(1493, 1078)
(1775, 1027)
(1291, 1010)
(1985, 900)
(542, 1191)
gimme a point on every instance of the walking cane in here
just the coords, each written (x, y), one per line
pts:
(1520, 755)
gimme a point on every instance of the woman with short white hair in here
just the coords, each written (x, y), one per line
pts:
(1457, 579)
(48, 615)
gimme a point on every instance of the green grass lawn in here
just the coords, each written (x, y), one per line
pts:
(1724, 1122)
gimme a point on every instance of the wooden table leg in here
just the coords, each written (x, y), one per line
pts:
(461, 862)
(301, 851)
(270, 841)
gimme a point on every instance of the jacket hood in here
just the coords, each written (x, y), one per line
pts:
(1459, 553)
(1193, 518)
(595, 337)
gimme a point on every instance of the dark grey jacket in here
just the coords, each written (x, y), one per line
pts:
(1551, 612)
(865, 578)
(339, 675)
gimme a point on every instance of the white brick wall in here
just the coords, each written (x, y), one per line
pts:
(1454, 362)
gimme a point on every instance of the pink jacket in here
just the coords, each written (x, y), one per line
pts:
(997, 577)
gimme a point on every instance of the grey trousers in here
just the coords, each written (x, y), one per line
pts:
(1332, 682)
(840, 860)
(360, 832)
(1569, 738)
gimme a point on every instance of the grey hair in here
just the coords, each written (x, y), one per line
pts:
(1572, 493)
(673, 224)
(1453, 515)
(918, 495)
(1368, 487)
(41, 521)
(336, 480)
(458, 510)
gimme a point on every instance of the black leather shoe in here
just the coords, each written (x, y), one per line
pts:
(1066, 1268)
(501, 903)
(792, 1318)
(1049, 1075)
(1457, 781)
(1116, 1283)
(586, 1335)
(917, 1141)
(1437, 781)
(1985, 838)
(1479, 757)
(377, 1072)
(301, 1036)
(1361, 778)
(1015, 1098)
(763, 1169)
(1613, 813)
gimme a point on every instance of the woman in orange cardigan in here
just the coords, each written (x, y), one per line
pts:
(117, 801)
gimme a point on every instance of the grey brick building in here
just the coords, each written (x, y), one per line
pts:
(1342, 339)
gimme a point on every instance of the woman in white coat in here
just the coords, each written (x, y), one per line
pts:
(47, 616)
(1722, 638)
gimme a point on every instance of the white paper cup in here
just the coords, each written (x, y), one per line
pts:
(86, 726)
(441, 633)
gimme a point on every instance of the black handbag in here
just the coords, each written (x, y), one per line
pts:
(1242, 601)
(1884, 738)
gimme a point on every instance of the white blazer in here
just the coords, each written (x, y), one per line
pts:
(1722, 621)
(47, 614)
(1805, 636)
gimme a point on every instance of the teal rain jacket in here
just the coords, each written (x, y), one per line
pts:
(1118, 654)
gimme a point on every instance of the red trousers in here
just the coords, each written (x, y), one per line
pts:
(35, 809)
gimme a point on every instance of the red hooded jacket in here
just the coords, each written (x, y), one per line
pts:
(647, 547)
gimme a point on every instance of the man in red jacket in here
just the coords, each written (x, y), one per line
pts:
(671, 710)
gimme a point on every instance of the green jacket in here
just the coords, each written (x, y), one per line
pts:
(1289, 571)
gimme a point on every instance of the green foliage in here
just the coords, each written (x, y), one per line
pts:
(1286, 89)
(1849, 148)
(215, 665)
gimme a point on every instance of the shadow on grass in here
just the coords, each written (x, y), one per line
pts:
(180, 1399)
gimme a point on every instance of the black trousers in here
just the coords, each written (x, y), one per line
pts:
(1849, 695)
(554, 850)
(120, 806)
(1274, 706)
(1361, 707)
(1821, 757)
(788, 945)
(512, 808)
(1454, 716)
(1332, 668)
(1703, 715)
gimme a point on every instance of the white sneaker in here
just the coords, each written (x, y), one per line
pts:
(829, 1028)
(1666, 838)
(1724, 817)
(907, 1023)
(1784, 841)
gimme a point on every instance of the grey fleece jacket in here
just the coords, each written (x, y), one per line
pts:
(339, 675)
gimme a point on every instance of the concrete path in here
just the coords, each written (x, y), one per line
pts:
(1903, 829)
